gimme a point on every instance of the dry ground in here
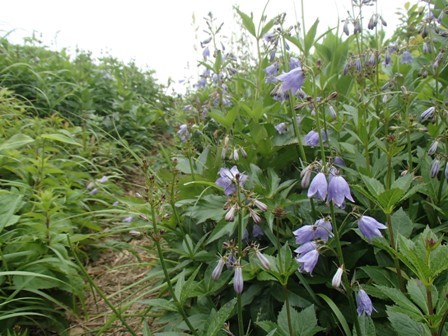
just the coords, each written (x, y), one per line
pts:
(113, 272)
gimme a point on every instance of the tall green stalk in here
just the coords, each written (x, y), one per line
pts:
(240, 252)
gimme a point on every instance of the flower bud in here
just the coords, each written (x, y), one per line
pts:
(337, 278)
(263, 260)
(435, 167)
(238, 282)
(260, 205)
(218, 269)
(433, 148)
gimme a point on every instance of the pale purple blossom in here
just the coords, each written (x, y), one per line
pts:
(294, 63)
(229, 179)
(370, 227)
(206, 52)
(338, 191)
(183, 132)
(308, 261)
(312, 138)
(305, 248)
(281, 128)
(321, 229)
(406, 57)
(318, 187)
(128, 219)
(364, 303)
(292, 80)
(103, 179)
(257, 231)
(264, 261)
(433, 148)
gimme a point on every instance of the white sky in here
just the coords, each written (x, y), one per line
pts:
(157, 34)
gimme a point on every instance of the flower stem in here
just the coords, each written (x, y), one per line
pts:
(345, 279)
(240, 252)
(394, 257)
(288, 311)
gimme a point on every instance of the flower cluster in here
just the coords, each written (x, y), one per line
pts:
(309, 237)
(334, 189)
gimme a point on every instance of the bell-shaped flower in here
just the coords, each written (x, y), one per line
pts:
(364, 303)
(292, 80)
(308, 261)
(406, 57)
(318, 187)
(321, 229)
(370, 227)
(305, 248)
(281, 128)
(427, 114)
(338, 191)
(263, 259)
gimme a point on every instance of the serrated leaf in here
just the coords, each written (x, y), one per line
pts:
(380, 276)
(366, 325)
(16, 141)
(374, 186)
(401, 223)
(417, 293)
(390, 198)
(405, 326)
(217, 319)
(402, 301)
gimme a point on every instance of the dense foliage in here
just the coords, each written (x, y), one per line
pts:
(305, 194)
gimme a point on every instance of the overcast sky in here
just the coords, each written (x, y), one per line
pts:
(157, 34)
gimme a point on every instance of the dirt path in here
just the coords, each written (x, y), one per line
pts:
(121, 276)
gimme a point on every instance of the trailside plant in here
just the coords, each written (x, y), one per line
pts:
(332, 147)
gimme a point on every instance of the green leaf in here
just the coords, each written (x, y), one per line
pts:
(366, 325)
(374, 186)
(380, 276)
(160, 303)
(390, 198)
(225, 119)
(310, 35)
(247, 22)
(337, 312)
(9, 204)
(405, 326)
(16, 141)
(61, 138)
(401, 223)
(417, 292)
(402, 301)
(217, 319)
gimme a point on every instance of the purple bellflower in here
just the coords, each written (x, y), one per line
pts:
(364, 303)
(305, 248)
(281, 128)
(218, 269)
(292, 80)
(318, 187)
(338, 191)
(229, 179)
(321, 229)
(427, 114)
(308, 261)
(312, 138)
(406, 57)
(370, 227)
(435, 167)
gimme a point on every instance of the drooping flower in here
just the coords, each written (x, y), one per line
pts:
(312, 138)
(338, 191)
(281, 128)
(364, 303)
(337, 278)
(238, 282)
(272, 69)
(305, 174)
(294, 63)
(128, 219)
(94, 191)
(229, 179)
(321, 229)
(308, 261)
(292, 80)
(318, 187)
(206, 52)
(183, 132)
(257, 231)
(305, 248)
(370, 227)
(406, 57)
(218, 269)
(104, 179)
